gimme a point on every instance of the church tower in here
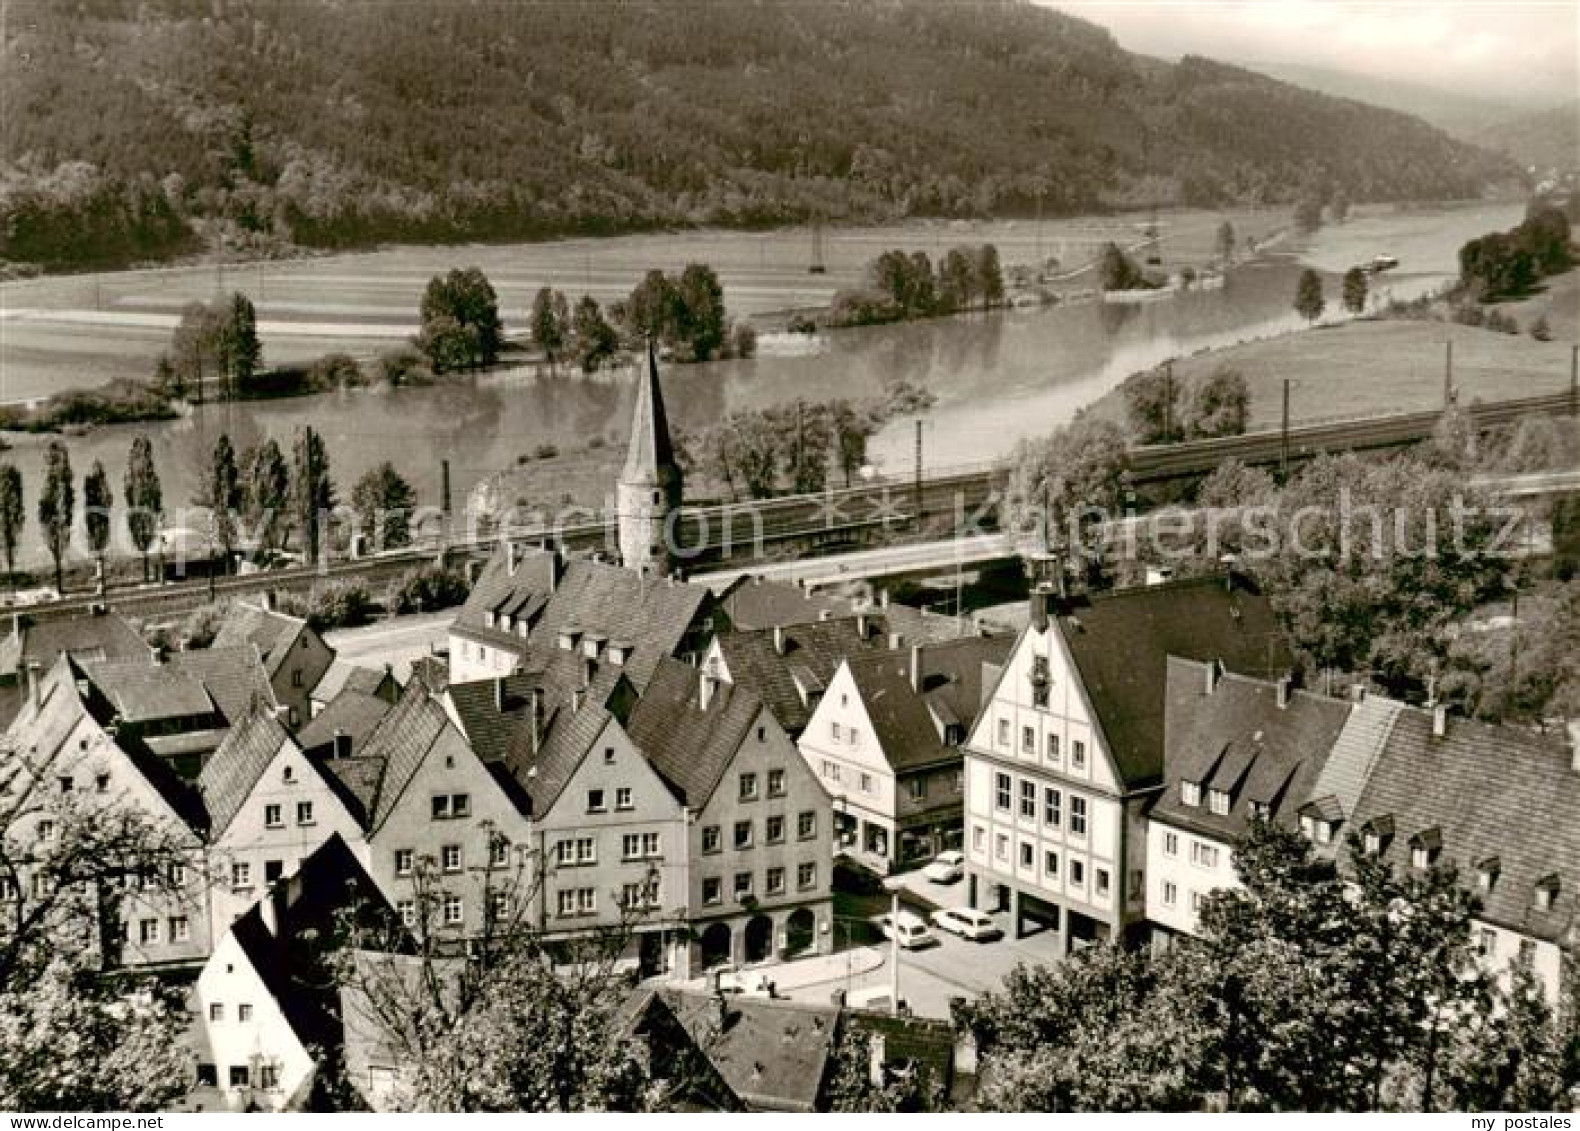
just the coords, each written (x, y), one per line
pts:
(649, 489)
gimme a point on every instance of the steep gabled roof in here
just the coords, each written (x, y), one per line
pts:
(1240, 741)
(690, 746)
(231, 774)
(352, 713)
(1120, 642)
(774, 1055)
(1485, 792)
(515, 579)
(650, 456)
(753, 602)
(343, 675)
(272, 633)
(392, 754)
(1349, 765)
(98, 636)
(776, 665)
(186, 684)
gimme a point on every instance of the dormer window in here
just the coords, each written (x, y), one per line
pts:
(1259, 810)
(1190, 793)
(1487, 873)
(1424, 847)
(1218, 802)
(1546, 893)
(1317, 829)
(506, 622)
(1376, 834)
(488, 618)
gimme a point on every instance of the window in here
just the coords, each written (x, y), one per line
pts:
(498, 905)
(454, 911)
(1259, 810)
(1100, 878)
(1077, 816)
(639, 846)
(1053, 748)
(1028, 800)
(743, 834)
(1218, 802)
(1028, 741)
(273, 818)
(240, 874)
(1077, 873)
(148, 931)
(1203, 855)
(403, 861)
(1003, 732)
(978, 838)
(239, 1076)
(498, 852)
(450, 858)
(776, 881)
(304, 812)
(776, 783)
(1001, 792)
(1171, 844)
(1001, 846)
(835, 731)
(805, 876)
(748, 787)
(586, 850)
(1077, 755)
(608, 755)
(1027, 854)
(216, 1011)
(565, 902)
(831, 770)
(441, 806)
(268, 1077)
(774, 833)
(296, 677)
(1041, 681)
(244, 1012)
(1171, 893)
(1190, 793)
(180, 929)
(178, 875)
(710, 838)
(288, 774)
(743, 885)
(622, 798)
(806, 825)
(1195, 903)
(855, 737)
(960, 781)
(46, 830)
(1050, 865)
(1527, 952)
(273, 870)
(639, 896)
(1486, 941)
(66, 784)
(712, 890)
(918, 789)
(1546, 893)
(595, 801)
(408, 912)
(866, 783)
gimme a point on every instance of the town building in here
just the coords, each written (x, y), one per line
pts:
(342, 676)
(886, 741)
(1067, 753)
(293, 654)
(101, 635)
(649, 491)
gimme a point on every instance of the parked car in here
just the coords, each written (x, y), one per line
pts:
(968, 923)
(746, 983)
(945, 868)
(874, 998)
(908, 930)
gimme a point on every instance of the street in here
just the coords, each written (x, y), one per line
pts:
(396, 642)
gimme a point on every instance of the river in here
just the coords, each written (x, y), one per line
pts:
(997, 377)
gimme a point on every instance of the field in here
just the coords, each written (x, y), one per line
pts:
(82, 330)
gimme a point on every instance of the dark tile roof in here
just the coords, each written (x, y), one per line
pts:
(401, 743)
(186, 685)
(1487, 791)
(271, 632)
(229, 777)
(774, 1055)
(541, 767)
(99, 636)
(356, 781)
(650, 455)
(780, 666)
(235, 677)
(491, 710)
(753, 603)
(517, 581)
(1240, 741)
(691, 747)
(352, 713)
(1121, 641)
(343, 675)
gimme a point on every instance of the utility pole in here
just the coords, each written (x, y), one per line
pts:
(917, 502)
(1283, 443)
(894, 954)
(1574, 380)
(1168, 401)
(1448, 374)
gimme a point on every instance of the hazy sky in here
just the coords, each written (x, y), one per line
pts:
(1516, 50)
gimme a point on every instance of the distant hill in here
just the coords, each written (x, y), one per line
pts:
(136, 128)
(1460, 115)
(1544, 139)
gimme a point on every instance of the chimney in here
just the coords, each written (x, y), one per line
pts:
(536, 696)
(707, 685)
(883, 599)
(499, 694)
(158, 654)
(916, 667)
(576, 700)
(779, 639)
(32, 683)
(589, 669)
(896, 641)
(1040, 596)
(266, 599)
(1574, 745)
(512, 558)
(1439, 720)
(16, 626)
(1212, 672)
(342, 744)
(861, 625)
(825, 614)
(1283, 692)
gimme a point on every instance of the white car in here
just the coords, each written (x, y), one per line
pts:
(945, 868)
(968, 923)
(747, 983)
(908, 930)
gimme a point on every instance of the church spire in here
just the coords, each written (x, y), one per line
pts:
(650, 483)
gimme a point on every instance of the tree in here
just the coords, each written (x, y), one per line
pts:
(853, 427)
(1154, 406)
(651, 312)
(383, 502)
(57, 506)
(314, 492)
(1355, 290)
(1220, 404)
(238, 352)
(1059, 486)
(595, 340)
(699, 311)
(1224, 242)
(1309, 302)
(1308, 214)
(13, 513)
(743, 451)
(268, 494)
(1338, 206)
(98, 501)
(194, 348)
(460, 326)
(990, 276)
(856, 1084)
(957, 280)
(221, 494)
(144, 498)
(806, 436)
(1116, 272)
(549, 326)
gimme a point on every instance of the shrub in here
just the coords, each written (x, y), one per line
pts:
(336, 371)
(339, 604)
(202, 625)
(1540, 330)
(1502, 323)
(545, 451)
(404, 366)
(427, 589)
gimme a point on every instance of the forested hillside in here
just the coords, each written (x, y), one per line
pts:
(1543, 139)
(134, 128)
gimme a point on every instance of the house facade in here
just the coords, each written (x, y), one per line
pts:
(293, 653)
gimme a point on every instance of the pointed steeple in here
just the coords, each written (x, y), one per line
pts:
(650, 454)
